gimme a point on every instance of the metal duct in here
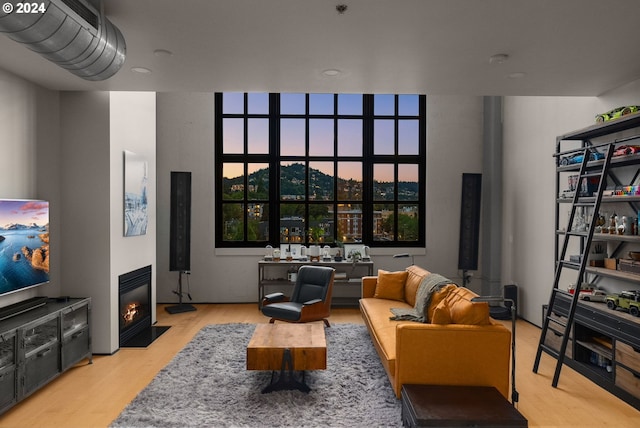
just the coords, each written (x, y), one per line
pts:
(69, 33)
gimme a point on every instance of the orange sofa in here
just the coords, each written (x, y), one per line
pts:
(447, 353)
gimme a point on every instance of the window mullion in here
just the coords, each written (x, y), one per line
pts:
(274, 168)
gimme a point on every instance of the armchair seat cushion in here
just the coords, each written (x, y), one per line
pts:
(290, 311)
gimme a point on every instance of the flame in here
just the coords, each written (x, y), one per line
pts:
(131, 311)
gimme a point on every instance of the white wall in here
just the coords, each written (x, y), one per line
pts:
(132, 122)
(531, 125)
(29, 146)
(185, 142)
(96, 128)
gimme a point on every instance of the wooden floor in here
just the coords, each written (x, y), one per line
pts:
(94, 395)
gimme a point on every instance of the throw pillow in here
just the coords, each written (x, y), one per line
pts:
(464, 311)
(440, 314)
(457, 308)
(390, 285)
(436, 298)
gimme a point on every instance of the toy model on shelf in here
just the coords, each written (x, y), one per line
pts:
(577, 158)
(627, 300)
(616, 113)
(593, 296)
(625, 150)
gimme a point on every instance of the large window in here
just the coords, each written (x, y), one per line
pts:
(320, 169)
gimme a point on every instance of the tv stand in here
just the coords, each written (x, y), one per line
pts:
(40, 344)
(21, 307)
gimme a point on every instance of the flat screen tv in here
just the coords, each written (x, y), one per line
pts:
(24, 244)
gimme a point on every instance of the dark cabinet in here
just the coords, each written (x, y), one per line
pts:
(605, 347)
(38, 345)
(8, 385)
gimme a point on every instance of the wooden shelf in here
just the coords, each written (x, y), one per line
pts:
(610, 273)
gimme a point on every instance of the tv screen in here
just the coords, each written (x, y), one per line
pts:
(24, 244)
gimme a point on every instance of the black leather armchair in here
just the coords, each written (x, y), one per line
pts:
(310, 300)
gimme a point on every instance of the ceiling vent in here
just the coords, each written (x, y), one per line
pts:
(69, 33)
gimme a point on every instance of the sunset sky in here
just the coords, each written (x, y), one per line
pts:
(24, 212)
(321, 130)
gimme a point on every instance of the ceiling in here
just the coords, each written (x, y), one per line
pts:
(554, 47)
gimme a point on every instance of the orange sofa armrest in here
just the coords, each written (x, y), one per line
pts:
(369, 286)
(453, 354)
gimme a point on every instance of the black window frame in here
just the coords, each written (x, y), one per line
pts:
(274, 159)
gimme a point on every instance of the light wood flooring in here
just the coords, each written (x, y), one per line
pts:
(94, 395)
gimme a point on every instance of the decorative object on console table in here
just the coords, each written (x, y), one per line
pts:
(268, 253)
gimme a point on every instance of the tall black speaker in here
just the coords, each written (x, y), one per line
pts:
(469, 221)
(180, 228)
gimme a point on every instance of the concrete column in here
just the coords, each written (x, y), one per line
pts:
(491, 225)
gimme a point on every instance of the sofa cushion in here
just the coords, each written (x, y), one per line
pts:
(415, 275)
(457, 308)
(376, 312)
(436, 298)
(390, 285)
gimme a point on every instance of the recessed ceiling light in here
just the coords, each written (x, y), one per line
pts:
(341, 8)
(331, 72)
(162, 53)
(498, 58)
(141, 70)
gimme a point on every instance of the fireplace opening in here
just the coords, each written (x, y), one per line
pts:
(134, 309)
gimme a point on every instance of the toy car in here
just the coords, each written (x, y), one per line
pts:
(616, 113)
(593, 296)
(569, 160)
(626, 150)
(628, 300)
(584, 288)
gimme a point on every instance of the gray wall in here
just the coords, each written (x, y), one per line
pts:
(531, 125)
(186, 143)
(30, 146)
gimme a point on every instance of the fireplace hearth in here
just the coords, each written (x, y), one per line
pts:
(134, 309)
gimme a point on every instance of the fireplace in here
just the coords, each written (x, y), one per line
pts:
(134, 309)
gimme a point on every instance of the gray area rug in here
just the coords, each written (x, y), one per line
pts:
(207, 385)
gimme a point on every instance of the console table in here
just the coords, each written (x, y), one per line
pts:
(38, 345)
(348, 276)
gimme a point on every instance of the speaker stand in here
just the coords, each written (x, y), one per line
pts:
(180, 307)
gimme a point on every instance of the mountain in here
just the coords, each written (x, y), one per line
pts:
(18, 226)
(293, 183)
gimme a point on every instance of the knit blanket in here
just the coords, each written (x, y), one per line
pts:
(429, 284)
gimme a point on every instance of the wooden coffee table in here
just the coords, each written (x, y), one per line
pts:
(288, 348)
